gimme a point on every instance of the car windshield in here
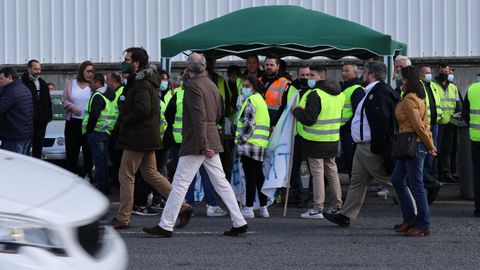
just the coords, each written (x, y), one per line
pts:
(57, 107)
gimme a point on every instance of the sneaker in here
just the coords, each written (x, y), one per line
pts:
(383, 193)
(312, 214)
(264, 212)
(158, 205)
(333, 210)
(247, 212)
(215, 211)
(144, 211)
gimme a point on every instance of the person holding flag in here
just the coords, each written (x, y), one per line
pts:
(251, 139)
(319, 117)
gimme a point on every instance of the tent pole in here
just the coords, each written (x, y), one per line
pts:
(388, 61)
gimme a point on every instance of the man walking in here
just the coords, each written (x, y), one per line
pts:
(372, 131)
(200, 146)
(139, 135)
(16, 113)
(100, 117)
(42, 104)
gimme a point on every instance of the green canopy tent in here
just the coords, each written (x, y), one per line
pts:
(285, 31)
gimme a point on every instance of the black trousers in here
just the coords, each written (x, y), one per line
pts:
(476, 173)
(254, 180)
(74, 140)
(37, 141)
(142, 188)
(115, 156)
(446, 136)
(295, 178)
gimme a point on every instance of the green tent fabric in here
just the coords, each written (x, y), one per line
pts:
(283, 30)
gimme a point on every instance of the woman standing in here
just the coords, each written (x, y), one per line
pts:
(407, 176)
(75, 98)
(251, 138)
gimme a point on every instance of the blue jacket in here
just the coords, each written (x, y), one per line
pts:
(16, 112)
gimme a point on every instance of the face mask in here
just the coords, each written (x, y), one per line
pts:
(246, 92)
(303, 82)
(312, 83)
(126, 67)
(442, 77)
(125, 81)
(478, 78)
(450, 77)
(163, 85)
(428, 77)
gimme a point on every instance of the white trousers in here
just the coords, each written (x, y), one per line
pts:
(187, 167)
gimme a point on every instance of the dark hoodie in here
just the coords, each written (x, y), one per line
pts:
(98, 104)
(308, 116)
(140, 112)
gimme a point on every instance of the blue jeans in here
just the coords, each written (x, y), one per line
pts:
(21, 147)
(208, 190)
(408, 175)
(98, 142)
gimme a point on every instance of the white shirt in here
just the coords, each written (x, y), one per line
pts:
(356, 119)
(80, 98)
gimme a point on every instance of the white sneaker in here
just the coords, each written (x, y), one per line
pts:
(264, 212)
(215, 211)
(383, 193)
(312, 214)
(247, 212)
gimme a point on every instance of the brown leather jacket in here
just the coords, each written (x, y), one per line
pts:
(412, 117)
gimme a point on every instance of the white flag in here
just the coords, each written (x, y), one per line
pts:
(279, 154)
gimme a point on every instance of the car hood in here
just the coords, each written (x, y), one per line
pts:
(31, 187)
(55, 129)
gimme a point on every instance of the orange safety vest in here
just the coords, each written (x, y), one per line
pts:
(274, 93)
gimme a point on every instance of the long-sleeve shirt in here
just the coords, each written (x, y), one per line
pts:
(245, 148)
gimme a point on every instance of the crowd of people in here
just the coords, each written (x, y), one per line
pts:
(159, 133)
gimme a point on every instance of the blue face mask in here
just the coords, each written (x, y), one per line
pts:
(246, 92)
(312, 83)
(428, 77)
(450, 77)
(163, 85)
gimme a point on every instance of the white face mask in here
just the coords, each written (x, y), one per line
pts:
(428, 77)
(478, 78)
(450, 77)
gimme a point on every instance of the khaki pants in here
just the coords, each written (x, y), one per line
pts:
(131, 162)
(366, 167)
(321, 168)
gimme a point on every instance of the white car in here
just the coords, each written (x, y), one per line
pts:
(52, 219)
(54, 143)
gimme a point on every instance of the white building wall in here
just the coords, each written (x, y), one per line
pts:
(71, 31)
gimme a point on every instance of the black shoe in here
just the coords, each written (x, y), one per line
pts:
(477, 212)
(236, 231)
(158, 232)
(184, 217)
(448, 180)
(432, 193)
(338, 219)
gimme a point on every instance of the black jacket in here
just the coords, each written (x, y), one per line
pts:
(16, 112)
(379, 106)
(98, 104)
(308, 116)
(42, 105)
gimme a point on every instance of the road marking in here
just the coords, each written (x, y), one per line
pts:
(183, 232)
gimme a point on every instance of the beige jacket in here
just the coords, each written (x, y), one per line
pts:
(412, 117)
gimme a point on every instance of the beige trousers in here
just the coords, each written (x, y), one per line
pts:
(131, 162)
(321, 169)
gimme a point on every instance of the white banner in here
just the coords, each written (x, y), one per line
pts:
(279, 155)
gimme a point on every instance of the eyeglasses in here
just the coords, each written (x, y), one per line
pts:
(90, 71)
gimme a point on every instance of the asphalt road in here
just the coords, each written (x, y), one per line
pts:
(295, 243)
